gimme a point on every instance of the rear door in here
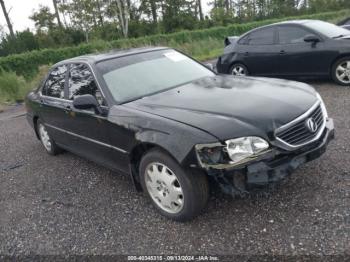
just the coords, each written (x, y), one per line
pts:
(260, 52)
(53, 103)
(299, 57)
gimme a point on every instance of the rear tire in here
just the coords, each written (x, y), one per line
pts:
(46, 140)
(177, 194)
(341, 71)
(238, 69)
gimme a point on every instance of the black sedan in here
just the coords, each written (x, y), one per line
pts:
(171, 124)
(304, 48)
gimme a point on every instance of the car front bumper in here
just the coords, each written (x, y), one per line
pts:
(272, 167)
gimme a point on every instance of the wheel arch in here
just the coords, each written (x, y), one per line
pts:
(135, 156)
(335, 60)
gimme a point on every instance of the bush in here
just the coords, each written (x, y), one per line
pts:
(10, 86)
(27, 64)
(13, 88)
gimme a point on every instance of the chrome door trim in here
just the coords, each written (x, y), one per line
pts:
(88, 139)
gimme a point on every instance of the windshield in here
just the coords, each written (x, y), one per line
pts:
(135, 76)
(327, 29)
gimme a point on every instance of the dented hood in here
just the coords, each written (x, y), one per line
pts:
(229, 107)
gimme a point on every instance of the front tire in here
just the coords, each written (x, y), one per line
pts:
(341, 71)
(46, 140)
(177, 194)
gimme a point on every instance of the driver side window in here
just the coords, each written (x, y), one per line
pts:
(82, 82)
(291, 35)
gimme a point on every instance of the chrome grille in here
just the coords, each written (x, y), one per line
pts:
(299, 133)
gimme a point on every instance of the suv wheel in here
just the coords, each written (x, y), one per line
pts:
(341, 71)
(48, 143)
(176, 194)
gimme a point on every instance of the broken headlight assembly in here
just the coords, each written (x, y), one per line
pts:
(233, 152)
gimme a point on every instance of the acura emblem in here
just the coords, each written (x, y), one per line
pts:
(311, 125)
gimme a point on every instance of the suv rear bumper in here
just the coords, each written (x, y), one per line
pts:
(272, 167)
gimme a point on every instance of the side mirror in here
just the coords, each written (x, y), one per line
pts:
(85, 102)
(312, 39)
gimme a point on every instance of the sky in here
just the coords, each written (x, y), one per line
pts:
(20, 10)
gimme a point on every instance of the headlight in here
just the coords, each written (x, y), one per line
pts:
(322, 105)
(241, 148)
(233, 152)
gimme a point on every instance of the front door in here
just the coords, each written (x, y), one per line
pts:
(89, 130)
(300, 58)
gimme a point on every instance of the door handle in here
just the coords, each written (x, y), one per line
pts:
(282, 52)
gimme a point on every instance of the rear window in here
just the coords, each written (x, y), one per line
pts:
(54, 85)
(264, 36)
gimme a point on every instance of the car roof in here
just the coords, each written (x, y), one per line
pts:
(97, 57)
(298, 22)
(290, 22)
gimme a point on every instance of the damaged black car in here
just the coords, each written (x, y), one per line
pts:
(173, 124)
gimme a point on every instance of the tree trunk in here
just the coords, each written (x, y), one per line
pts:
(57, 13)
(227, 6)
(123, 14)
(201, 17)
(154, 11)
(9, 25)
(100, 16)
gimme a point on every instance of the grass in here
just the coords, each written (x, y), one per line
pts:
(13, 88)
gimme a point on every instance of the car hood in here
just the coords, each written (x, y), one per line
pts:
(229, 107)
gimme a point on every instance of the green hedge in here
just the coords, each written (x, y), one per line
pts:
(27, 64)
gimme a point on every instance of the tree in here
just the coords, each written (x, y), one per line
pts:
(8, 21)
(43, 18)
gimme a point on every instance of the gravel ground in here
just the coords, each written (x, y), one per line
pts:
(68, 205)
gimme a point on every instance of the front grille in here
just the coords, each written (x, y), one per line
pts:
(299, 133)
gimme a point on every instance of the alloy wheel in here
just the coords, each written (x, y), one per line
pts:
(238, 70)
(164, 188)
(44, 137)
(343, 72)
